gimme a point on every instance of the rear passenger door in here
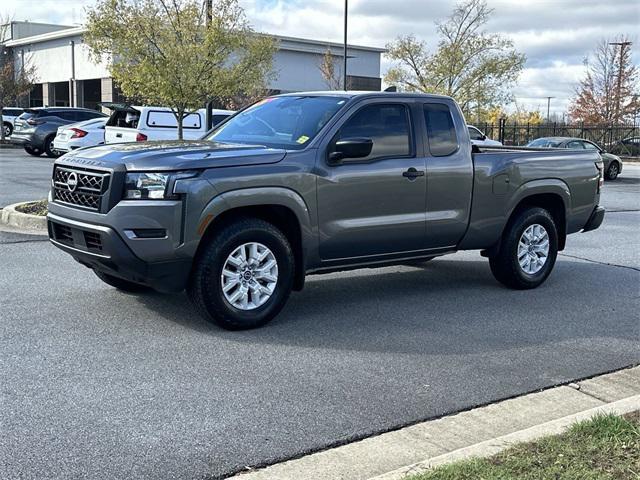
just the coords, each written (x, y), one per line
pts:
(374, 205)
(449, 173)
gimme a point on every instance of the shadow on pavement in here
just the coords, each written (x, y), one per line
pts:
(450, 307)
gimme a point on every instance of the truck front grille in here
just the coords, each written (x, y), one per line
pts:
(80, 188)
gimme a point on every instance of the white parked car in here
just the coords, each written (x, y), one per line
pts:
(82, 134)
(139, 124)
(9, 115)
(480, 139)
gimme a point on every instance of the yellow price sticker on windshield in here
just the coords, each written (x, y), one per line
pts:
(302, 139)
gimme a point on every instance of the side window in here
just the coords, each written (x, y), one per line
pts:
(575, 145)
(386, 125)
(64, 114)
(161, 119)
(474, 133)
(441, 131)
(589, 146)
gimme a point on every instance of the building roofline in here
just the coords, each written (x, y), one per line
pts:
(74, 31)
(325, 43)
(45, 37)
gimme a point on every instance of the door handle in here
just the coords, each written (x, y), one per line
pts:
(412, 173)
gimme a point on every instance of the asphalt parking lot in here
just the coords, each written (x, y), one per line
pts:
(100, 384)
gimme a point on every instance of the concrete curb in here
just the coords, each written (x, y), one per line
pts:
(496, 445)
(481, 431)
(24, 221)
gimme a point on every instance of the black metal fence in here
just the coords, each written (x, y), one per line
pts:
(606, 136)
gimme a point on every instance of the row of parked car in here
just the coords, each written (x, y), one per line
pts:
(612, 163)
(57, 130)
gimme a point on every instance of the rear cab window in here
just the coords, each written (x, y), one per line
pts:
(441, 130)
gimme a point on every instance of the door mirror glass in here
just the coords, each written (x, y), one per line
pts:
(351, 148)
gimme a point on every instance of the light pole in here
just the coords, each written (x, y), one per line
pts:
(344, 67)
(209, 104)
(549, 107)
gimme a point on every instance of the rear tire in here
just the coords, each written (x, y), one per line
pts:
(48, 147)
(613, 171)
(121, 284)
(36, 152)
(243, 304)
(524, 240)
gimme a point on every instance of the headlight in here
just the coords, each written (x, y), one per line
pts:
(151, 185)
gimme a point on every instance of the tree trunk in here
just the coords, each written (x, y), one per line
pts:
(179, 114)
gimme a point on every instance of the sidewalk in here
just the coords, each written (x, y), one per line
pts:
(479, 432)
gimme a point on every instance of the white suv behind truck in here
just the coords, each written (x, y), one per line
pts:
(139, 124)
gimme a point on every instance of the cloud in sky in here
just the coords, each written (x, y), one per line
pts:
(554, 34)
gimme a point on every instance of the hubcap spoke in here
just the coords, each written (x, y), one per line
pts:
(249, 276)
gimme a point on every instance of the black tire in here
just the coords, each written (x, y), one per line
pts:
(8, 129)
(613, 171)
(505, 266)
(121, 284)
(48, 147)
(205, 286)
(36, 152)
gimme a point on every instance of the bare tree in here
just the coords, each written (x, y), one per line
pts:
(331, 73)
(15, 81)
(609, 91)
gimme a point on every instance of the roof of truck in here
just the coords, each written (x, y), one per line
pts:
(358, 93)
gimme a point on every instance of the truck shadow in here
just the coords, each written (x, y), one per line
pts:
(447, 306)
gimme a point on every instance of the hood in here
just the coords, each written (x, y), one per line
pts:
(172, 155)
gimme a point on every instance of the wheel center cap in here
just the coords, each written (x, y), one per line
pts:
(247, 275)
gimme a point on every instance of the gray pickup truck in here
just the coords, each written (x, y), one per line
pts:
(313, 183)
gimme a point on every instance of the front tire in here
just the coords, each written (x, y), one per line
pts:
(36, 152)
(8, 129)
(121, 284)
(528, 250)
(243, 276)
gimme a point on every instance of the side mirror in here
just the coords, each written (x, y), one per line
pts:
(483, 137)
(350, 148)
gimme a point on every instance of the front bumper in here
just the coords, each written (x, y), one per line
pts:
(102, 248)
(595, 220)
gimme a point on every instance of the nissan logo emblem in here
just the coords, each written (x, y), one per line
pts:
(72, 181)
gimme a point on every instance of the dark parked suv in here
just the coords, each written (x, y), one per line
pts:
(36, 128)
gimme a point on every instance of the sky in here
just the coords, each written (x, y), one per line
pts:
(555, 35)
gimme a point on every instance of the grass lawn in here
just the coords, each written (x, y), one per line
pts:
(605, 447)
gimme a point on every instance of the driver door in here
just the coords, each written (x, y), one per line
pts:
(373, 206)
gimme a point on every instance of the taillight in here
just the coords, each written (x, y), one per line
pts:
(600, 167)
(77, 133)
(141, 137)
(33, 121)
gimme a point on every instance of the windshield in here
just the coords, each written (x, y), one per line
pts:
(544, 143)
(289, 122)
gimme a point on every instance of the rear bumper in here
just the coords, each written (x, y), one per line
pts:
(21, 139)
(101, 248)
(595, 220)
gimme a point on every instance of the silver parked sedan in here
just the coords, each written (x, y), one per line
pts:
(612, 163)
